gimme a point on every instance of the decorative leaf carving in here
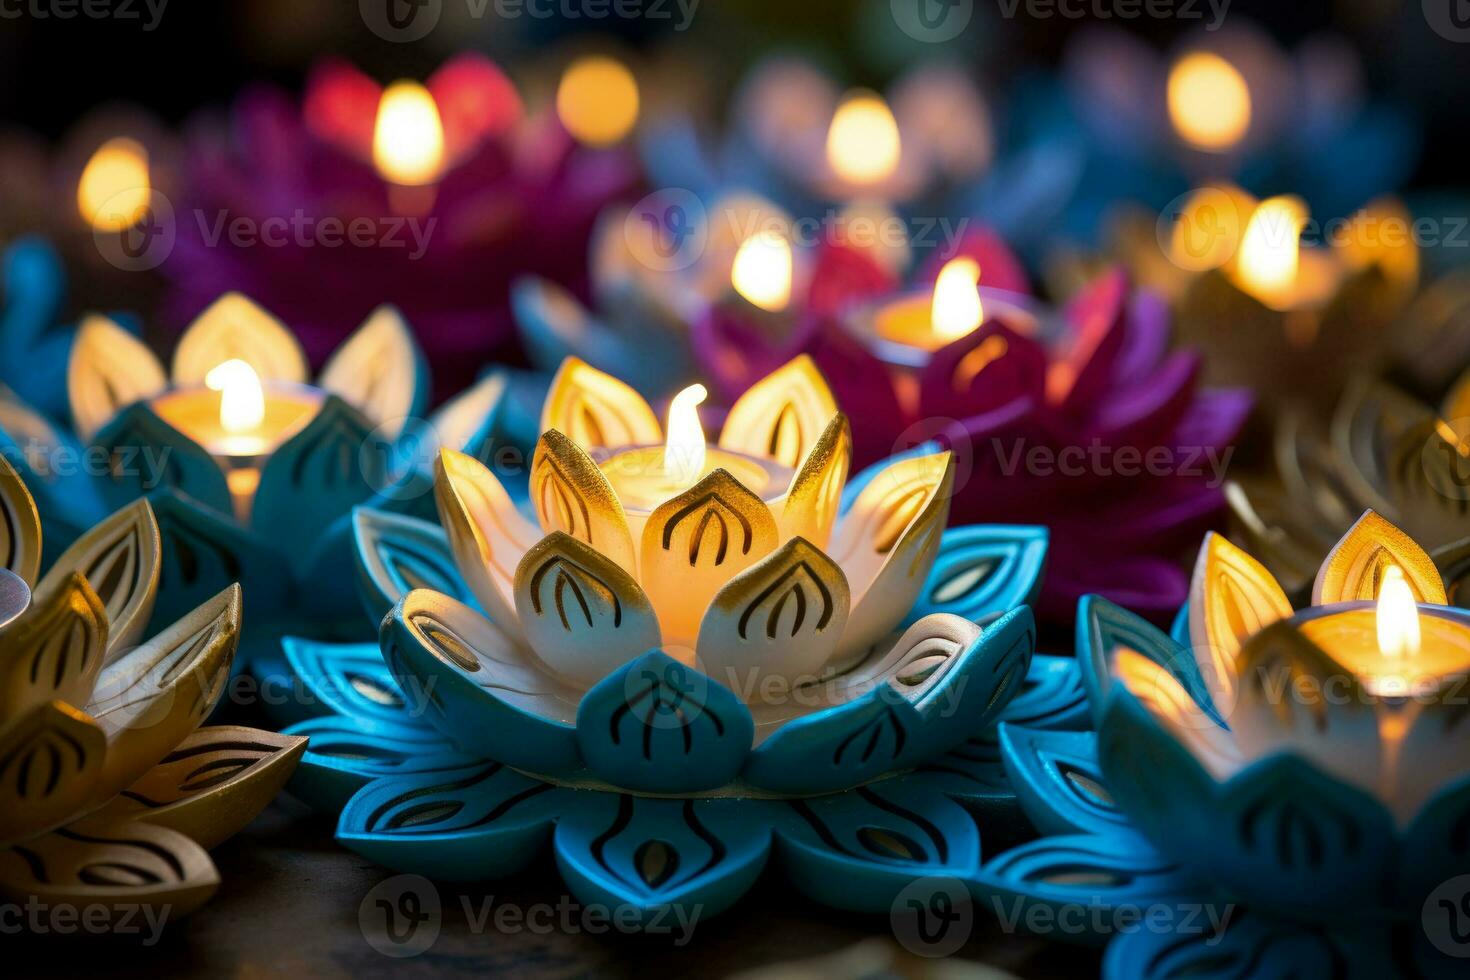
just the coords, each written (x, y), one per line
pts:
(120, 559)
(596, 410)
(571, 494)
(235, 327)
(781, 416)
(20, 526)
(50, 761)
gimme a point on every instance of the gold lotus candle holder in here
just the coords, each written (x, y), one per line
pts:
(110, 792)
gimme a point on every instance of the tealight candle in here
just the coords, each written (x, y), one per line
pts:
(114, 190)
(1272, 266)
(1209, 102)
(239, 421)
(408, 146)
(646, 476)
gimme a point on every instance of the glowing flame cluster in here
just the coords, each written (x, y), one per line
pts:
(863, 145)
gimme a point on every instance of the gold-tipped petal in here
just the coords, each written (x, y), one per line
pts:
(20, 525)
(55, 651)
(1231, 597)
(486, 532)
(139, 874)
(583, 614)
(782, 619)
(887, 543)
(120, 558)
(50, 761)
(148, 700)
(1176, 712)
(213, 784)
(1353, 570)
(571, 494)
(376, 370)
(236, 327)
(816, 490)
(109, 370)
(695, 543)
(781, 416)
(596, 410)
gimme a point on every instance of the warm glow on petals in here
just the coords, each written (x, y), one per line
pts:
(571, 494)
(1232, 597)
(1176, 712)
(781, 416)
(596, 410)
(234, 326)
(816, 489)
(1355, 568)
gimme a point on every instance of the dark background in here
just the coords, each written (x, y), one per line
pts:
(52, 72)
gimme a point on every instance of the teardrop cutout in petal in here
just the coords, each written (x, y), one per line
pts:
(236, 327)
(781, 416)
(582, 614)
(397, 554)
(571, 494)
(1354, 569)
(596, 410)
(55, 651)
(50, 760)
(109, 369)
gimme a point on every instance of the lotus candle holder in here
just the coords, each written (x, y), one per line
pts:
(1296, 780)
(251, 471)
(798, 659)
(110, 792)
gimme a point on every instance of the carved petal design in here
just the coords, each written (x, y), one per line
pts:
(212, 785)
(887, 543)
(487, 533)
(109, 370)
(660, 726)
(54, 651)
(397, 554)
(490, 697)
(20, 526)
(984, 569)
(669, 859)
(781, 416)
(582, 614)
(1249, 946)
(351, 680)
(1231, 597)
(1059, 783)
(1051, 697)
(858, 850)
(145, 453)
(472, 824)
(775, 624)
(1353, 570)
(1293, 698)
(120, 558)
(346, 752)
(50, 761)
(380, 371)
(154, 695)
(234, 326)
(205, 551)
(1099, 873)
(1103, 627)
(572, 495)
(815, 497)
(119, 867)
(596, 410)
(695, 543)
(336, 462)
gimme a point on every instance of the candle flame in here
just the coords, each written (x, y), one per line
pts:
(762, 271)
(1209, 102)
(114, 188)
(684, 443)
(957, 309)
(408, 137)
(1398, 616)
(1270, 249)
(242, 399)
(863, 145)
(597, 100)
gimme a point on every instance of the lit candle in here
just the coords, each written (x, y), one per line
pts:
(239, 421)
(863, 144)
(597, 100)
(114, 190)
(762, 271)
(1209, 102)
(408, 145)
(646, 476)
(1272, 266)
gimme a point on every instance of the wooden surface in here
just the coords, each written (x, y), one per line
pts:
(289, 907)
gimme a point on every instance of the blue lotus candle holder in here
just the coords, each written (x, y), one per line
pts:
(537, 683)
(1281, 794)
(252, 471)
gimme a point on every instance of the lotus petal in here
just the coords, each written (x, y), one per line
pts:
(487, 533)
(120, 559)
(50, 760)
(20, 526)
(380, 371)
(109, 370)
(336, 462)
(1353, 570)
(1175, 712)
(596, 410)
(782, 416)
(815, 496)
(571, 494)
(235, 327)
(54, 651)
(397, 554)
(1231, 597)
